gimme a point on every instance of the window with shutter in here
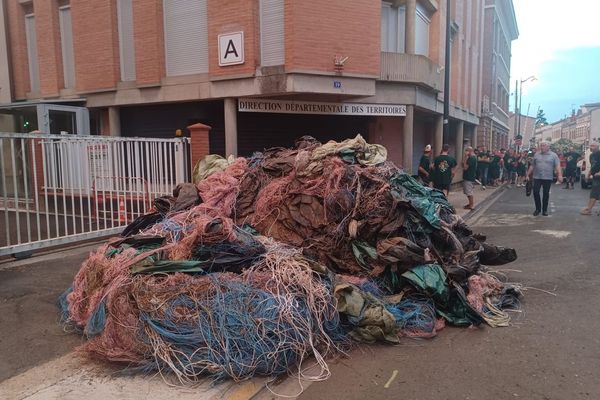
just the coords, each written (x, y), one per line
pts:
(30, 36)
(272, 33)
(126, 41)
(186, 36)
(66, 42)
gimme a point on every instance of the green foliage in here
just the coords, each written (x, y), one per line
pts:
(563, 145)
(540, 119)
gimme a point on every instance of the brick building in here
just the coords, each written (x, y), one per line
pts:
(500, 30)
(259, 72)
(582, 127)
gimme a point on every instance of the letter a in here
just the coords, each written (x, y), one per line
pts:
(230, 49)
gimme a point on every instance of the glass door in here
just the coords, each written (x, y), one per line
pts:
(65, 120)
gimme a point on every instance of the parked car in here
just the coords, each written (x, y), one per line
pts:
(583, 168)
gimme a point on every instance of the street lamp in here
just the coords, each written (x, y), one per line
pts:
(446, 118)
(531, 78)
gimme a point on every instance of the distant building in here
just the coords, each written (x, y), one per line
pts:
(581, 127)
(527, 129)
(500, 30)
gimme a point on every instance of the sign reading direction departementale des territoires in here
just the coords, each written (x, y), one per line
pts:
(311, 107)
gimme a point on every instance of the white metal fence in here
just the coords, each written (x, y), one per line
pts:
(56, 189)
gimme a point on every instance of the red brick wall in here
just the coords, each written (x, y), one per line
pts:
(317, 30)
(232, 16)
(48, 47)
(149, 41)
(18, 49)
(96, 44)
(199, 142)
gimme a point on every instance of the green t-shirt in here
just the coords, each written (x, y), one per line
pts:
(522, 166)
(595, 163)
(425, 163)
(484, 158)
(509, 163)
(471, 172)
(442, 166)
(571, 158)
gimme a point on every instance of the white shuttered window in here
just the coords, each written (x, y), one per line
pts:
(126, 41)
(392, 28)
(66, 43)
(186, 37)
(34, 71)
(272, 33)
(422, 31)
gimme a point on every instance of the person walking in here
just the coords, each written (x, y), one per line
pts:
(444, 168)
(469, 164)
(545, 163)
(425, 166)
(595, 175)
(572, 158)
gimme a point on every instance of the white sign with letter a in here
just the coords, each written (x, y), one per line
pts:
(231, 48)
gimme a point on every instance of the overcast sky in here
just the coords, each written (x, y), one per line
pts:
(559, 43)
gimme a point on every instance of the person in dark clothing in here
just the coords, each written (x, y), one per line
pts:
(444, 168)
(522, 169)
(494, 169)
(483, 163)
(595, 175)
(572, 158)
(425, 166)
(545, 164)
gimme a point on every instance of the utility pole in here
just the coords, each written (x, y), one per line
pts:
(516, 107)
(446, 130)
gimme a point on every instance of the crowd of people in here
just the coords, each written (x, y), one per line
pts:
(536, 170)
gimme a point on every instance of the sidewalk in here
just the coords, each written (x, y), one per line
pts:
(480, 197)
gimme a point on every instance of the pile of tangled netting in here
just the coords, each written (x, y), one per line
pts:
(291, 255)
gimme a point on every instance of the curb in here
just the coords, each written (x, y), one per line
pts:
(481, 207)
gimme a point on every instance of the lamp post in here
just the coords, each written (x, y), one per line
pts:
(531, 78)
(446, 126)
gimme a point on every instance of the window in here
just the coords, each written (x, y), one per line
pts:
(392, 28)
(272, 38)
(126, 41)
(30, 36)
(422, 22)
(66, 43)
(186, 36)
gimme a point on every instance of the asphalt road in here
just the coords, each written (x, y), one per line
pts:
(30, 333)
(552, 350)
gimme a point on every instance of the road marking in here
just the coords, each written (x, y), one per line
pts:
(556, 234)
(494, 220)
(389, 382)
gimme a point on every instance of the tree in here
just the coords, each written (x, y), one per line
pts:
(540, 119)
(563, 145)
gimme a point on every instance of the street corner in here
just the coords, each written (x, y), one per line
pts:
(72, 377)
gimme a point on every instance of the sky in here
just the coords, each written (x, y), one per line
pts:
(559, 44)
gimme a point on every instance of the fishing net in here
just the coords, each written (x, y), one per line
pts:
(269, 264)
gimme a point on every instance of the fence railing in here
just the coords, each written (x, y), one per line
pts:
(56, 189)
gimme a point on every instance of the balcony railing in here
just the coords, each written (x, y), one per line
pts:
(412, 68)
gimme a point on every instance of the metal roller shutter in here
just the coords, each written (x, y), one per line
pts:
(66, 41)
(272, 37)
(126, 41)
(186, 37)
(34, 74)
